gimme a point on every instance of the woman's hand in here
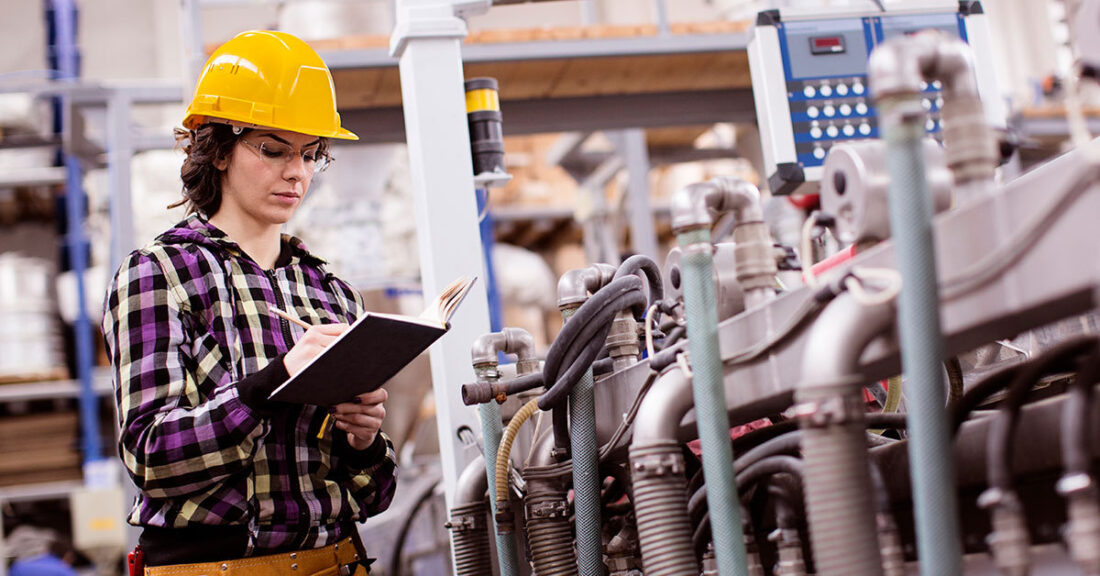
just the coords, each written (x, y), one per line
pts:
(361, 418)
(316, 339)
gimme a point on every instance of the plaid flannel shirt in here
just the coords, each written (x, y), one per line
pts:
(187, 320)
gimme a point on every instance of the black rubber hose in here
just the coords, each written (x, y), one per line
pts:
(645, 265)
(673, 337)
(1077, 415)
(578, 349)
(1062, 357)
(980, 392)
(591, 308)
(667, 356)
(956, 385)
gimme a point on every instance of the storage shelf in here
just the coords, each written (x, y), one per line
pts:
(39, 491)
(48, 389)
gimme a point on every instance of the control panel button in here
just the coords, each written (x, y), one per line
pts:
(937, 84)
(841, 89)
(832, 131)
(812, 112)
(809, 91)
(926, 103)
(939, 103)
(861, 109)
(845, 110)
(865, 129)
(923, 85)
(826, 90)
(857, 88)
(815, 132)
(930, 125)
(819, 153)
(829, 111)
(849, 130)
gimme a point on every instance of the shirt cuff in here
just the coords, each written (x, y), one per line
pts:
(362, 459)
(255, 388)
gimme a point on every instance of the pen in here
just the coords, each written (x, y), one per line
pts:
(293, 319)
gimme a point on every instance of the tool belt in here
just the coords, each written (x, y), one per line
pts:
(340, 559)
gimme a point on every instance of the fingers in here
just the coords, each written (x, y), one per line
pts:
(362, 418)
(315, 340)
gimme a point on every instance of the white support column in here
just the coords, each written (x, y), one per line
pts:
(120, 153)
(427, 40)
(631, 145)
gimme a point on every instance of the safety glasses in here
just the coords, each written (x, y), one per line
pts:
(279, 155)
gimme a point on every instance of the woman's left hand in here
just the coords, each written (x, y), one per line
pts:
(361, 418)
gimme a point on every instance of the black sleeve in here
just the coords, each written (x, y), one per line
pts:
(255, 388)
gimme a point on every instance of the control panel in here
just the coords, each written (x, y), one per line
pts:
(809, 77)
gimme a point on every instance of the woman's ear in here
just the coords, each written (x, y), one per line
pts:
(221, 163)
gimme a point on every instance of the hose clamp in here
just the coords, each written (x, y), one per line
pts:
(830, 411)
(657, 465)
(551, 509)
(463, 523)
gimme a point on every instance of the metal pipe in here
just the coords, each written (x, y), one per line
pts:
(830, 406)
(469, 530)
(660, 488)
(548, 530)
(691, 222)
(897, 95)
(484, 358)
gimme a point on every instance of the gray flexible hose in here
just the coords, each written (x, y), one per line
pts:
(708, 387)
(922, 351)
(490, 433)
(586, 476)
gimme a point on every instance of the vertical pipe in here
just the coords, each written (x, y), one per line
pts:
(921, 340)
(586, 477)
(710, 401)
(485, 227)
(491, 431)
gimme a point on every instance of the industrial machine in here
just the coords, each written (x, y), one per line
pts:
(810, 85)
(703, 420)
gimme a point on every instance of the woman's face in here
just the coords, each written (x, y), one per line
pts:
(267, 176)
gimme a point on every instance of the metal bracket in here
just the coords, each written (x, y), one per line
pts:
(433, 19)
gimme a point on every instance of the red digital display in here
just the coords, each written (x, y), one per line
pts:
(827, 45)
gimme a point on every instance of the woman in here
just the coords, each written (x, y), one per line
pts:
(225, 475)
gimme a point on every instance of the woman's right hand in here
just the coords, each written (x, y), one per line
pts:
(315, 340)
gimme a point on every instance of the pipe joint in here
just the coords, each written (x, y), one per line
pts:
(575, 285)
(483, 352)
(689, 209)
(549, 509)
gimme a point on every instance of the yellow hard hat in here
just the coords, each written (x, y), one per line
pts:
(270, 79)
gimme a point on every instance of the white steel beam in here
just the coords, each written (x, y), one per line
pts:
(427, 39)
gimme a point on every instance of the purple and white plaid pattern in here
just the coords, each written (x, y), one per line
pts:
(186, 318)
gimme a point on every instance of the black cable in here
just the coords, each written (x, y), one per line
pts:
(406, 525)
(1060, 358)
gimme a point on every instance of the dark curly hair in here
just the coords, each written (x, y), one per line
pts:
(205, 146)
(202, 181)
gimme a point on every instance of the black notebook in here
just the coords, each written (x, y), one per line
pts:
(371, 351)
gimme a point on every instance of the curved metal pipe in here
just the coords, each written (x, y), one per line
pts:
(575, 285)
(510, 341)
(837, 482)
(739, 197)
(547, 505)
(664, 406)
(472, 484)
(469, 530)
(660, 488)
